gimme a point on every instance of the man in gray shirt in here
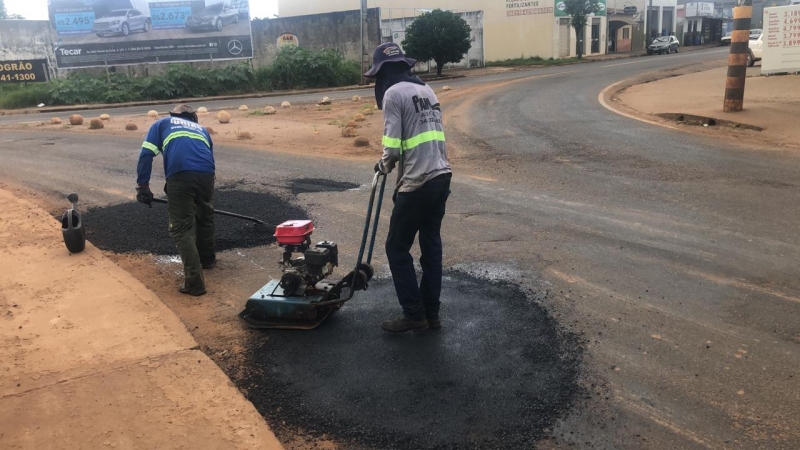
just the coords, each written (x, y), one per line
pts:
(413, 142)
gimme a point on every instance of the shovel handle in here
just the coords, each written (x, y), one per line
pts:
(221, 213)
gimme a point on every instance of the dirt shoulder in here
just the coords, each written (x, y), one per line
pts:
(90, 358)
(771, 103)
(351, 128)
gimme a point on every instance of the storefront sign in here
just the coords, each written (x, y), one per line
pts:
(561, 9)
(25, 71)
(781, 40)
(699, 9)
(89, 33)
(515, 8)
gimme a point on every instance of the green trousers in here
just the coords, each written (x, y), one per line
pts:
(191, 222)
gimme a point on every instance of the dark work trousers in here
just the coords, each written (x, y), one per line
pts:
(418, 211)
(191, 221)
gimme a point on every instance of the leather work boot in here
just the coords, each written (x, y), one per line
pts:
(434, 323)
(403, 324)
(208, 265)
(197, 292)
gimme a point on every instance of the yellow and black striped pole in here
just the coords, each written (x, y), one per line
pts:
(737, 60)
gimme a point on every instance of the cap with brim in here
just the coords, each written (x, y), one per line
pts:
(385, 53)
(181, 109)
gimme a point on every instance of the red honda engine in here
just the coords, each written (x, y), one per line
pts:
(301, 274)
(294, 232)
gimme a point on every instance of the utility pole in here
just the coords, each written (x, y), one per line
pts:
(737, 59)
(364, 40)
(649, 24)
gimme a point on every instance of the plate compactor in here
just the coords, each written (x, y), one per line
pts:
(302, 299)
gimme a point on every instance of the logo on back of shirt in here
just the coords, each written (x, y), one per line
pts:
(186, 123)
(423, 104)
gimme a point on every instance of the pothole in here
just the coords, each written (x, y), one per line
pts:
(133, 227)
(498, 375)
(310, 185)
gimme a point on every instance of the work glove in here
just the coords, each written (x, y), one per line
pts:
(143, 195)
(378, 167)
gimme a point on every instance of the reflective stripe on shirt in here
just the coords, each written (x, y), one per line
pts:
(188, 134)
(151, 147)
(408, 144)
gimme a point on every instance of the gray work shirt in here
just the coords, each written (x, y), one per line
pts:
(413, 137)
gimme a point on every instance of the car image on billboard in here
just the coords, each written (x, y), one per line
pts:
(214, 17)
(90, 33)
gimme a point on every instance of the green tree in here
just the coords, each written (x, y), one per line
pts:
(3, 10)
(442, 36)
(579, 10)
(15, 17)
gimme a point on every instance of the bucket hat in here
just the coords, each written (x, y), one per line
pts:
(388, 52)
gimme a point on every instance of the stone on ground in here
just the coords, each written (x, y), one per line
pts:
(224, 117)
(55, 121)
(76, 119)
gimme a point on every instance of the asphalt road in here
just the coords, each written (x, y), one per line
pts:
(674, 256)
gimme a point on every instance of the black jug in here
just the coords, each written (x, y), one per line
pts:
(72, 227)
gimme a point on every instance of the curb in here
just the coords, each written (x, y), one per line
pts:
(56, 109)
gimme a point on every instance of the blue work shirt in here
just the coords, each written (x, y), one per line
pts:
(184, 144)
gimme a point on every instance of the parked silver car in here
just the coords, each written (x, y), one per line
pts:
(664, 44)
(121, 22)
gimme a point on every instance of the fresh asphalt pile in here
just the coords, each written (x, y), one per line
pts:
(498, 375)
(133, 227)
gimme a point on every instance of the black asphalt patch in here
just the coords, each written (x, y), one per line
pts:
(498, 374)
(133, 227)
(309, 185)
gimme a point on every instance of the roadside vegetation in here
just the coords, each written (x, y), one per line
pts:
(530, 61)
(294, 68)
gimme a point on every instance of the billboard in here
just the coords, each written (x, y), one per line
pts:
(29, 70)
(89, 33)
(781, 40)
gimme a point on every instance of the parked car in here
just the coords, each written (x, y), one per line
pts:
(214, 17)
(755, 33)
(122, 22)
(664, 44)
(726, 40)
(754, 50)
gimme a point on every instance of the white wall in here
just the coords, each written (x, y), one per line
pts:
(395, 21)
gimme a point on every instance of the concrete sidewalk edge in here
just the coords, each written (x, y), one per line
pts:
(92, 359)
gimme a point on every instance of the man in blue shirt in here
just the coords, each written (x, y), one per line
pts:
(189, 169)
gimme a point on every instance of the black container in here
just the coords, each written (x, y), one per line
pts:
(73, 231)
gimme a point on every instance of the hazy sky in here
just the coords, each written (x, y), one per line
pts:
(37, 9)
